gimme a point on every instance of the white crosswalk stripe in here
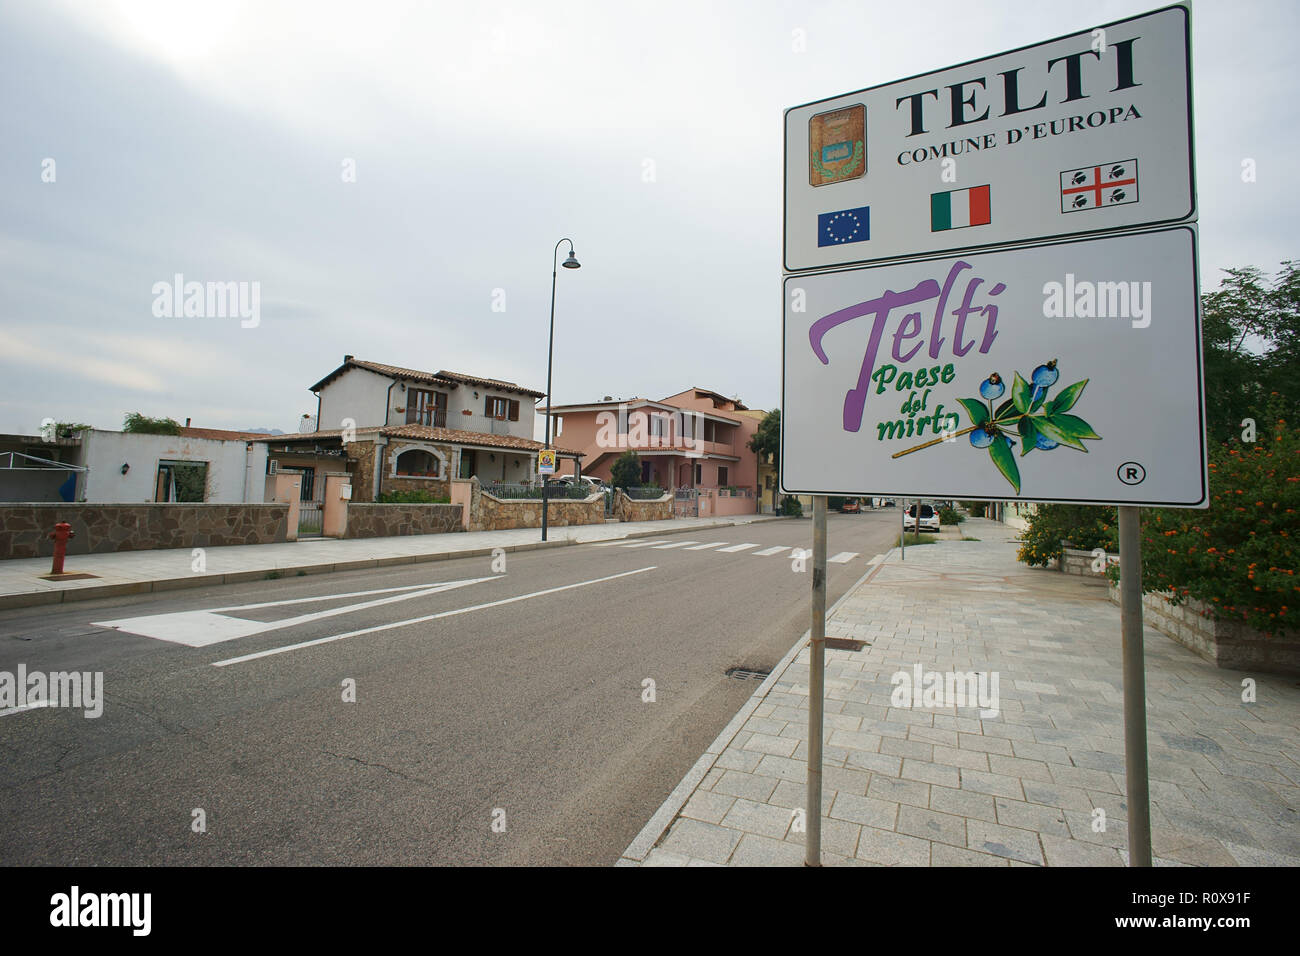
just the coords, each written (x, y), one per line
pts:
(723, 547)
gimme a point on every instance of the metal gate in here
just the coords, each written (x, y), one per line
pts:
(609, 502)
(686, 503)
(311, 505)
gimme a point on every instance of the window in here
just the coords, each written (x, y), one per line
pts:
(424, 407)
(467, 463)
(699, 474)
(181, 481)
(722, 476)
(502, 408)
(417, 463)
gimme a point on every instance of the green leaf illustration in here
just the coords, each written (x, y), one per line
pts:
(1000, 452)
(1003, 409)
(1075, 426)
(1022, 394)
(1065, 401)
(1065, 429)
(977, 410)
(1028, 436)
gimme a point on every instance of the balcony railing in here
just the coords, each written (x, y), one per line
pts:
(433, 417)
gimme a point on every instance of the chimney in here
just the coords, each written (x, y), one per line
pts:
(187, 423)
(347, 359)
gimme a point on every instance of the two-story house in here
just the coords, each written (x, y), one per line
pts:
(400, 429)
(697, 439)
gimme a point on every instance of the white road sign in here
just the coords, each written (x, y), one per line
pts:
(1064, 372)
(1085, 134)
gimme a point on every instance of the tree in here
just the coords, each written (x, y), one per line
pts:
(1250, 333)
(626, 472)
(144, 425)
(766, 444)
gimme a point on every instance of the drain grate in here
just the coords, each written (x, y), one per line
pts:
(844, 644)
(742, 673)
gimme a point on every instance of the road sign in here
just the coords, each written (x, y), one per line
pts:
(1084, 134)
(1064, 372)
(546, 461)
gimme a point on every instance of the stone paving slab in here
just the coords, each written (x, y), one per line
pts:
(141, 572)
(1037, 780)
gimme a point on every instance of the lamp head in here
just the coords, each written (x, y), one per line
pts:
(571, 263)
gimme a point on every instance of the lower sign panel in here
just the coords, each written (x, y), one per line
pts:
(1068, 372)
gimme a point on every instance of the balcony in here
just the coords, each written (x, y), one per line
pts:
(433, 417)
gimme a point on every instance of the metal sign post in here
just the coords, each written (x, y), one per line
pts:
(1135, 688)
(816, 686)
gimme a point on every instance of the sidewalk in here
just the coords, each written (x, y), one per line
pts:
(940, 786)
(139, 572)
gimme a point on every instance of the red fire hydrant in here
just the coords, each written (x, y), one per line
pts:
(61, 533)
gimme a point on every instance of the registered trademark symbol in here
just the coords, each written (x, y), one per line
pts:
(1131, 473)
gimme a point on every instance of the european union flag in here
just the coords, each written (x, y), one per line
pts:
(847, 225)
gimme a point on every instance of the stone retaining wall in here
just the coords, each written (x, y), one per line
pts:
(490, 513)
(642, 509)
(1080, 562)
(1223, 643)
(103, 529)
(383, 521)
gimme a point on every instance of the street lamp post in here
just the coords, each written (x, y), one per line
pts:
(569, 263)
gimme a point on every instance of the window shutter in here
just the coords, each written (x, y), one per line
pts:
(514, 410)
(410, 409)
(487, 405)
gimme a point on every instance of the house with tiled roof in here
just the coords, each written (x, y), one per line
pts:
(695, 441)
(401, 429)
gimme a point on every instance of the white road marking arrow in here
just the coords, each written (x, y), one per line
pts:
(201, 628)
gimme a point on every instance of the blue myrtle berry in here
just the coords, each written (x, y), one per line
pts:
(981, 438)
(992, 388)
(1044, 377)
(1043, 442)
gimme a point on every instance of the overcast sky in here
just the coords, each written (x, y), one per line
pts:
(209, 139)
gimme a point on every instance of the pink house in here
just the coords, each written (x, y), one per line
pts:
(692, 442)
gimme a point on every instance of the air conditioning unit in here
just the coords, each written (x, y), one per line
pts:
(272, 466)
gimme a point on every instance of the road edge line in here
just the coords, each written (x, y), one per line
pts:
(662, 819)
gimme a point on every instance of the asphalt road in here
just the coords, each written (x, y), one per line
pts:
(499, 726)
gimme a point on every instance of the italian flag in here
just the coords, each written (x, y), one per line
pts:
(959, 208)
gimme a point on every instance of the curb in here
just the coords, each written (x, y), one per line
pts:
(658, 824)
(94, 591)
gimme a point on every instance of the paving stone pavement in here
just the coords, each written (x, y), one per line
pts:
(1039, 783)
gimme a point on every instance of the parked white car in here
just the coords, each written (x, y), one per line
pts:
(587, 481)
(929, 520)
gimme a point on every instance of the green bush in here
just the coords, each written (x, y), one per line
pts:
(791, 508)
(416, 496)
(626, 471)
(144, 425)
(976, 508)
(950, 516)
(1239, 556)
(1081, 526)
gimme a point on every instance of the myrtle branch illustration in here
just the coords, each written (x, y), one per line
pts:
(1041, 424)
